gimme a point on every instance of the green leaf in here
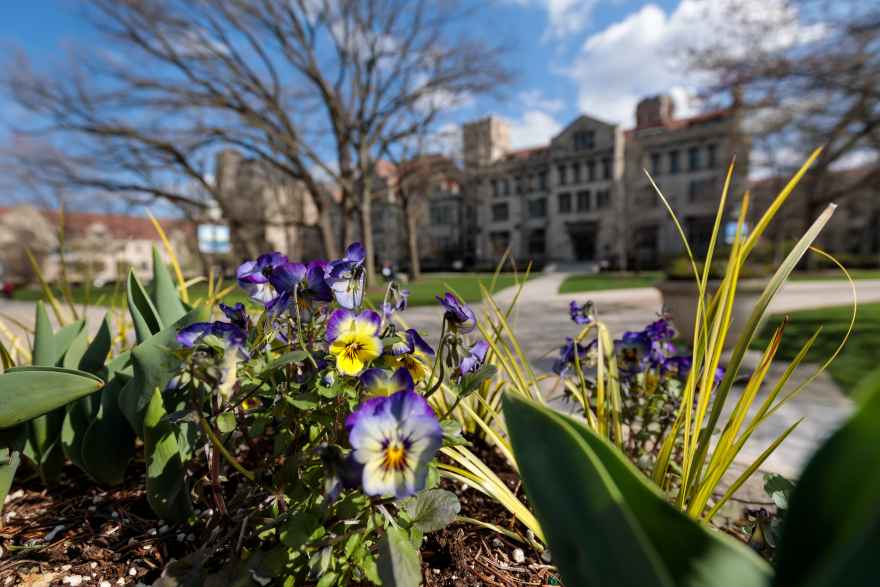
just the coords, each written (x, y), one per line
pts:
(685, 558)
(96, 354)
(472, 381)
(79, 413)
(167, 490)
(831, 532)
(143, 313)
(432, 510)
(399, 563)
(107, 461)
(163, 292)
(779, 489)
(44, 339)
(226, 422)
(298, 529)
(9, 461)
(29, 392)
(594, 536)
(283, 360)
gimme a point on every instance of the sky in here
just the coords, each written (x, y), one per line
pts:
(570, 56)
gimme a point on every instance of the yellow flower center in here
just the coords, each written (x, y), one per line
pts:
(394, 458)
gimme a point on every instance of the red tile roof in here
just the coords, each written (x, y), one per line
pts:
(120, 226)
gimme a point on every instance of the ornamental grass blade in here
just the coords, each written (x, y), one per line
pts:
(594, 536)
(697, 556)
(831, 532)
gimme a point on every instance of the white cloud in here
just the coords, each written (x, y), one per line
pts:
(534, 127)
(564, 17)
(536, 100)
(639, 55)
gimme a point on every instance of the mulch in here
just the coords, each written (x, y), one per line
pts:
(77, 533)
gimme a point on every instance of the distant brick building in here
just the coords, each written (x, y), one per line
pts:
(584, 197)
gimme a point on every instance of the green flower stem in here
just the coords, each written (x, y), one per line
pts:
(299, 335)
(209, 431)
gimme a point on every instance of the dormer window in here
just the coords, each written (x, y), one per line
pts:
(584, 140)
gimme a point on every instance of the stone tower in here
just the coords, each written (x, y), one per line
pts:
(484, 141)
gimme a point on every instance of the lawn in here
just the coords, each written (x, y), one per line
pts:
(600, 281)
(858, 359)
(422, 292)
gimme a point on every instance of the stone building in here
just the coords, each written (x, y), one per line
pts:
(584, 197)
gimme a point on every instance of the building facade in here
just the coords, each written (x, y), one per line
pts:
(585, 198)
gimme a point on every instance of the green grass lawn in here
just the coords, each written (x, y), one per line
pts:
(600, 281)
(422, 292)
(858, 359)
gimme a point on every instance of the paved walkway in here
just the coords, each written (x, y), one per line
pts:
(541, 322)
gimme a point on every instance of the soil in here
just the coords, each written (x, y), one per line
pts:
(78, 533)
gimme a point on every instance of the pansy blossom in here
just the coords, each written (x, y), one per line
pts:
(354, 339)
(581, 314)
(346, 277)
(253, 276)
(394, 438)
(475, 358)
(384, 382)
(458, 315)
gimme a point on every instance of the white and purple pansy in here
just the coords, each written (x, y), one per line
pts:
(581, 314)
(475, 358)
(458, 315)
(346, 277)
(384, 382)
(253, 276)
(237, 315)
(394, 438)
(230, 334)
(315, 287)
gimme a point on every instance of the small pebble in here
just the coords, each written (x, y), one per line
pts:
(496, 542)
(132, 571)
(114, 515)
(190, 537)
(151, 532)
(181, 537)
(65, 568)
(105, 584)
(120, 581)
(519, 556)
(163, 529)
(93, 565)
(73, 580)
(92, 508)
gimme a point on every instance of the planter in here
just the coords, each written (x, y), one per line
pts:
(680, 301)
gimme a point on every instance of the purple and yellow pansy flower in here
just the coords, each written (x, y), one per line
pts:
(354, 339)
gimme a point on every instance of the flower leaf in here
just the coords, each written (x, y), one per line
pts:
(432, 510)
(399, 563)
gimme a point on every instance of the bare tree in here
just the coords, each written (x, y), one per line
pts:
(316, 89)
(806, 73)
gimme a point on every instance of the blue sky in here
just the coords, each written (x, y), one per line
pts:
(570, 56)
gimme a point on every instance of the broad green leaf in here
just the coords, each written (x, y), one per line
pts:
(831, 532)
(44, 339)
(28, 392)
(144, 314)
(594, 536)
(154, 365)
(167, 490)
(79, 413)
(432, 510)
(779, 489)
(226, 422)
(298, 529)
(96, 354)
(698, 556)
(107, 461)
(472, 381)
(283, 360)
(399, 563)
(163, 292)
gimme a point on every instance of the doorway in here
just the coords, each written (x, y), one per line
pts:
(583, 240)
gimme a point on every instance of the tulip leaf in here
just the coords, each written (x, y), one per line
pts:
(163, 292)
(144, 314)
(9, 461)
(29, 392)
(594, 536)
(167, 490)
(106, 461)
(698, 556)
(399, 563)
(831, 532)
(96, 354)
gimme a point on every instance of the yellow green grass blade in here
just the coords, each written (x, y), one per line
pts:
(172, 256)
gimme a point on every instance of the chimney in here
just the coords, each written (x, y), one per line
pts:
(655, 111)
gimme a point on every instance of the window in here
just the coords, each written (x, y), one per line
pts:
(441, 215)
(542, 180)
(694, 158)
(537, 241)
(603, 198)
(673, 162)
(496, 188)
(506, 187)
(591, 170)
(538, 208)
(576, 172)
(583, 201)
(699, 188)
(520, 186)
(655, 164)
(606, 168)
(583, 140)
(564, 203)
(561, 170)
(500, 212)
(711, 156)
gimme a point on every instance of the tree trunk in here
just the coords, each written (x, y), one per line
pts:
(367, 238)
(328, 236)
(412, 242)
